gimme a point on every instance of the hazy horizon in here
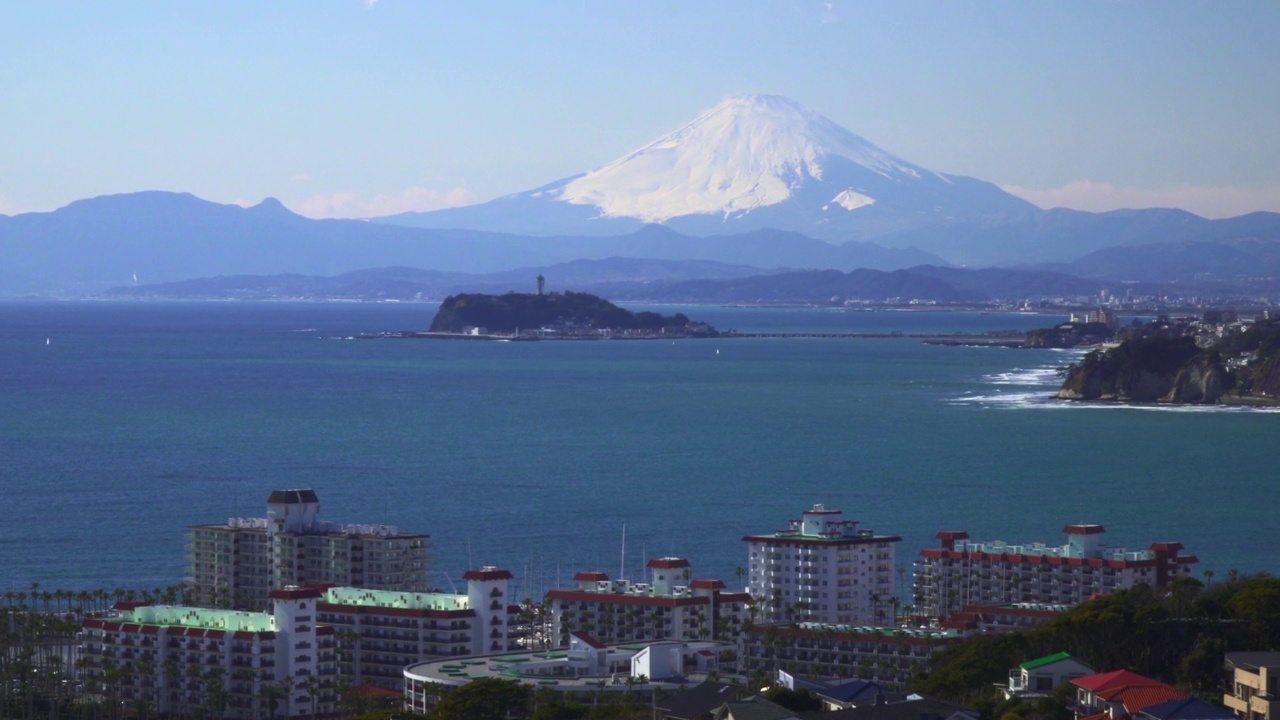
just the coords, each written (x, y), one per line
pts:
(358, 109)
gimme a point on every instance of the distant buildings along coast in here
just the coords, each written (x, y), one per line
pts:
(285, 607)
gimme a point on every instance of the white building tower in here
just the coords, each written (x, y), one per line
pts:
(823, 568)
(487, 590)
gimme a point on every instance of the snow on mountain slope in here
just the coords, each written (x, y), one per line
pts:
(746, 153)
(755, 162)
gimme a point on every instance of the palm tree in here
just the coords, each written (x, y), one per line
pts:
(273, 694)
(313, 690)
(215, 691)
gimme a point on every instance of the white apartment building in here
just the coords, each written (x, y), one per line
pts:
(822, 569)
(184, 661)
(382, 631)
(890, 656)
(962, 572)
(237, 564)
(671, 606)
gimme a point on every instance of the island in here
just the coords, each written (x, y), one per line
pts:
(555, 315)
(1183, 362)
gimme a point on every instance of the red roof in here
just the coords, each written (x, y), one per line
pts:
(293, 593)
(487, 573)
(129, 604)
(705, 584)
(590, 641)
(837, 541)
(1102, 682)
(624, 599)
(952, 535)
(1084, 529)
(1136, 699)
(668, 563)
(588, 576)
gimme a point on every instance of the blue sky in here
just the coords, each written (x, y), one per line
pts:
(350, 108)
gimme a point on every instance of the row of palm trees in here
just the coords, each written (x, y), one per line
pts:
(41, 674)
(84, 602)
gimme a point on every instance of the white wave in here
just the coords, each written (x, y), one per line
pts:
(1039, 376)
(1036, 387)
(1046, 401)
(1010, 400)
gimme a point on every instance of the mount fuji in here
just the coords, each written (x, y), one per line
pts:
(764, 162)
(751, 162)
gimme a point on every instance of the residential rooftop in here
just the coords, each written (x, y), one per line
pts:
(204, 618)
(887, 631)
(395, 599)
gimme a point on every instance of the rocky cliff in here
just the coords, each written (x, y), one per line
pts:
(1243, 368)
(1141, 370)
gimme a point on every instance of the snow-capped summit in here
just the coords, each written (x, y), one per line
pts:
(751, 162)
(745, 153)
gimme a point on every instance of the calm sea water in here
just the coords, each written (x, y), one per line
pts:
(122, 423)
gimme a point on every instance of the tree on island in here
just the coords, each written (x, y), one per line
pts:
(514, 312)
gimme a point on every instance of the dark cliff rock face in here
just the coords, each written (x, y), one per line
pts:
(1202, 380)
(1144, 370)
(1171, 368)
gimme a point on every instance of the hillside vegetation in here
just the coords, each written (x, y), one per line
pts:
(1160, 364)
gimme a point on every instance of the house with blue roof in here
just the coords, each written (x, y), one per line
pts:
(1185, 709)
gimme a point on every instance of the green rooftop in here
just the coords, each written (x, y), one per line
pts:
(1046, 660)
(395, 599)
(209, 619)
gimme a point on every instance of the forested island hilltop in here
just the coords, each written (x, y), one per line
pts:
(556, 315)
(1183, 362)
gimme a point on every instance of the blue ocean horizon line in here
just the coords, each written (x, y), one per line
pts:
(137, 420)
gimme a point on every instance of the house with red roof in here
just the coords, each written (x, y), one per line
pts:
(1118, 695)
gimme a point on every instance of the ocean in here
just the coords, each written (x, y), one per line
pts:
(123, 423)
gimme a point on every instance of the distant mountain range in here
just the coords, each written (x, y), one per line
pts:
(758, 182)
(762, 161)
(1240, 259)
(108, 241)
(668, 281)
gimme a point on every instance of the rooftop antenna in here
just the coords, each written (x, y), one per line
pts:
(452, 587)
(469, 565)
(622, 571)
